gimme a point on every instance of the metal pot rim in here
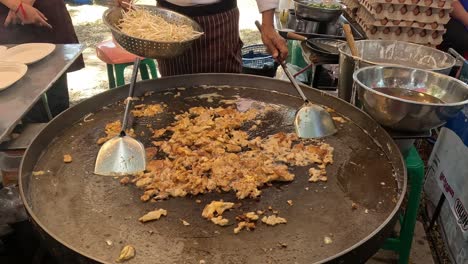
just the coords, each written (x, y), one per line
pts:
(355, 78)
(342, 50)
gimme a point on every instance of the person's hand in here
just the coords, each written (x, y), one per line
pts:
(29, 15)
(11, 19)
(125, 4)
(275, 44)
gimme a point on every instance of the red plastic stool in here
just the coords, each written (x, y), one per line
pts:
(117, 59)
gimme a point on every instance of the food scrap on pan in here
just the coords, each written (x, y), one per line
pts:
(67, 158)
(112, 130)
(150, 110)
(273, 220)
(153, 215)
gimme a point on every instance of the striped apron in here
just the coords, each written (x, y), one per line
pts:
(217, 51)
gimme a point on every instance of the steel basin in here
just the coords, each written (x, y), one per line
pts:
(317, 14)
(405, 115)
(389, 52)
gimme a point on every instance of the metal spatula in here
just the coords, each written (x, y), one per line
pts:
(122, 155)
(311, 120)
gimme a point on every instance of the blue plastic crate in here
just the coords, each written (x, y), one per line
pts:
(256, 60)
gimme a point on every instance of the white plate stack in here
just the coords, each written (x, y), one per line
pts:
(14, 61)
(418, 21)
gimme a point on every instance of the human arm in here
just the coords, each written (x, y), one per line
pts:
(270, 37)
(12, 18)
(459, 13)
(25, 12)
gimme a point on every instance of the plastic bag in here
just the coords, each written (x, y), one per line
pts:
(11, 207)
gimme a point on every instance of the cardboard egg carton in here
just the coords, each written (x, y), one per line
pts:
(441, 4)
(353, 7)
(414, 35)
(369, 19)
(406, 12)
(351, 4)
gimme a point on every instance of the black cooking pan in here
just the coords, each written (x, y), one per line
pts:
(325, 47)
(84, 218)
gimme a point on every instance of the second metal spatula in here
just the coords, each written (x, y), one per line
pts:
(122, 155)
(311, 120)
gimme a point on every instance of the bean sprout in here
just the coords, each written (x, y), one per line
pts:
(140, 23)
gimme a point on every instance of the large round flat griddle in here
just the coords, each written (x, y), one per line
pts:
(79, 213)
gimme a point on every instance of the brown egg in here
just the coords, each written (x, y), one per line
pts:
(422, 33)
(434, 25)
(386, 31)
(416, 11)
(396, 22)
(427, 2)
(384, 21)
(403, 10)
(398, 31)
(410, 32)
(435, 35)
(378, 9)
(429, 12)
(373, 30)
(441, 13)
(441, 4)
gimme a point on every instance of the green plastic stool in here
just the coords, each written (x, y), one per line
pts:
(119, 79)
(402, 243)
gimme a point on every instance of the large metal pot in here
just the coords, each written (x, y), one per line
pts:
(407, 114)
(389, 52)
(303, 10)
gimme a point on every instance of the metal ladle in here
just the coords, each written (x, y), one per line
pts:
(122, 154)
(311, 120)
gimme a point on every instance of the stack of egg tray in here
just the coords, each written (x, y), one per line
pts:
(418, 21)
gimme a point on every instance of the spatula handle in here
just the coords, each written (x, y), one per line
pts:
(350, 40)
(136, 65)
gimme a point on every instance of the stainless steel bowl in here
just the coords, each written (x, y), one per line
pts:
(402, 114)
(148, 48)
(385, 53)
(303, 10)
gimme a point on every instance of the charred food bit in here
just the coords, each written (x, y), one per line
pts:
(153, 215)
(185, 223)
(251, 216)
(112, 130)
(127, 253)
(244, 225)
(290, 202)
(147, 110)
(219, 220)
(124, 180)
(354, 206)
(273, 220)
(327, 240)
(38, 173)
(316, 175)
(67, 158)
(339, 119)
(216, 208)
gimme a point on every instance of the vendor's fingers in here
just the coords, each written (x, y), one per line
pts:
(42, 15)
(270, 46)
(280, 44)
(8, 21)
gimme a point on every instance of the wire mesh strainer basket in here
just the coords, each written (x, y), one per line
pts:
(147, 48)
